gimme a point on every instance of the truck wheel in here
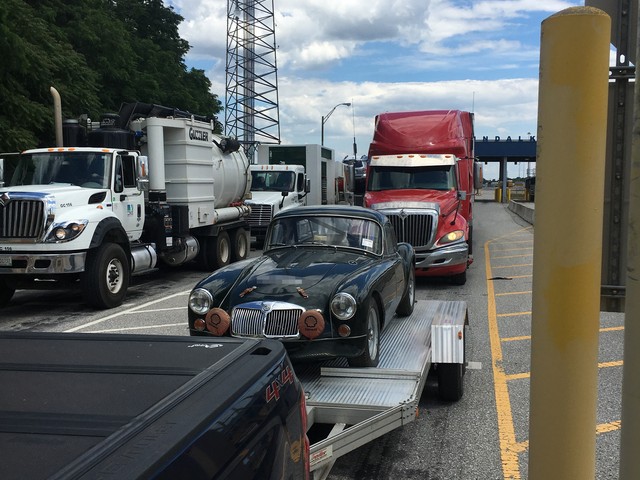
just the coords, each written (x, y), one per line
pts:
(221, 253)
(371, 354)
(240, 243)
(459, 279)
(6, 292)
(450, 377)
(106, 276)
(405, 307)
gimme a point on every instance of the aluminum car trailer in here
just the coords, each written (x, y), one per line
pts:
(361, 404)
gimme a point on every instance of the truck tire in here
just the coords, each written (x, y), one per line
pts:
(371, 355)
(405, 307)
(450, 385)
(240, 243)
(6, 292)
(221, 253)
(106, 276)
(459, 279)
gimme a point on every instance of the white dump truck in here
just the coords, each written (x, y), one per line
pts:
(151, 185)
(275, 188)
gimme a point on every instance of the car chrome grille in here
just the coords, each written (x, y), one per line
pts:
(22, 219)
(266, 319)
(418, 229)
(261, 215)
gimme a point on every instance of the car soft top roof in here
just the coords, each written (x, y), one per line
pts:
(319, 210)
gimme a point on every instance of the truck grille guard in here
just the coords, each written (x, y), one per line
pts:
(266, 319)
(413, 223)
(24, 218)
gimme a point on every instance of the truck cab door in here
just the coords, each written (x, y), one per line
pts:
(128, 200)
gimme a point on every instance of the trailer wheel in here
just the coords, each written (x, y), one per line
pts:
(221, 253)
(405, 307)
(371, 354)
(106, 276)
(450, 377)
(240, 244)
(6, 292)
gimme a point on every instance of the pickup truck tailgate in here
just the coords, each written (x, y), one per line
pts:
(111, 406)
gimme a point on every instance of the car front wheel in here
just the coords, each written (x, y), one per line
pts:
(371, 354)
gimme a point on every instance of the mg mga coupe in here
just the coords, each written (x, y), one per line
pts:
(329, 279)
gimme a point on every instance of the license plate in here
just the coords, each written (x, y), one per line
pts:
(5, 261)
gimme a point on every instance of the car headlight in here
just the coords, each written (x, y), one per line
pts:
(63, 232)
(343, 306)
(451, 237)
(200, 301)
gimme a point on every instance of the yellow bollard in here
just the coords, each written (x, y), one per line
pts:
(572, 126)
(498, 194)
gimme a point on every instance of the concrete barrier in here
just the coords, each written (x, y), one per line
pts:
(526, 211)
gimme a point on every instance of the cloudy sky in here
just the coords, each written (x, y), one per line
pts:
(389, 55)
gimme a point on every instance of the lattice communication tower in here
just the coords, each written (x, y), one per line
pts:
(251, 104)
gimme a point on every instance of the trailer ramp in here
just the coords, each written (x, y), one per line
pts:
(362, 404)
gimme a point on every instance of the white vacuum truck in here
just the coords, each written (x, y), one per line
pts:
(150, 185)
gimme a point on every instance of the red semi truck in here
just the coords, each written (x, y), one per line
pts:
(421, 174)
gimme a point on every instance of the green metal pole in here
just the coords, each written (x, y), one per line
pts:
(572, 127)
(630, 434)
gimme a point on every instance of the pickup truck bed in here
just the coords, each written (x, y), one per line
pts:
(141, 406)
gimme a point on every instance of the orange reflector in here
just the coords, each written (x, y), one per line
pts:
(459, 335)
(344, 330)
(311, 324)
(199, 324)
(218, 321)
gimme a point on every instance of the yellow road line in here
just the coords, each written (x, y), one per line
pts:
(520, 376)
(515, 265)
(506, 429)
(513, 314)
(528, 292)
(516, 339)
(515, 256)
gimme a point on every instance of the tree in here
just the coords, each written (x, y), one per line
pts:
(98, 54)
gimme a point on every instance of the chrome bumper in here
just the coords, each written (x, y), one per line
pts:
(457, 254)
(44, 263)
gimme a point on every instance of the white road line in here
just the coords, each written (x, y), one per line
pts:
(144, 327)
(115, 315)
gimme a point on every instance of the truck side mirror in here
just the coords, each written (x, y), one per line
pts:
(142, 172)
(307, 185)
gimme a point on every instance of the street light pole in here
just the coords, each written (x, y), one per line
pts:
(326, 117)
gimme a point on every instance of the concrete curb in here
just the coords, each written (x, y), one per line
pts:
(526, 211)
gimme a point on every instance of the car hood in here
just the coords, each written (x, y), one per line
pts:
(294, 273)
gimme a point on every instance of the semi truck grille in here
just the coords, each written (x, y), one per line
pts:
(261, 215)
(22, 219)
(279, 322)
(417, 229)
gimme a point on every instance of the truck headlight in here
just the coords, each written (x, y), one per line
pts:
(63, 232)
(343, 306)
(451, 237)
(200, 301)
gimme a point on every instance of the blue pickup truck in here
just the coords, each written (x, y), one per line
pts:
(89, 406)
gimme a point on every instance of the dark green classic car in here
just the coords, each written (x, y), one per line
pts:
(328, 281)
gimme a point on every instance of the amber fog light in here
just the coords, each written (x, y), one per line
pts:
(311, 324)
(218, 321)
(344, 330)
(199, 324)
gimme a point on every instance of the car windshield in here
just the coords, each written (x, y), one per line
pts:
(272, 181)
(333, 231)
(86, 169)
(422, 178)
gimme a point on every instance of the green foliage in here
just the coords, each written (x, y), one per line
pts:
(98, 54)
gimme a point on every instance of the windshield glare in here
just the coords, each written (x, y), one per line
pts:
(331, 231)
(422, 178)
(84, 169)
